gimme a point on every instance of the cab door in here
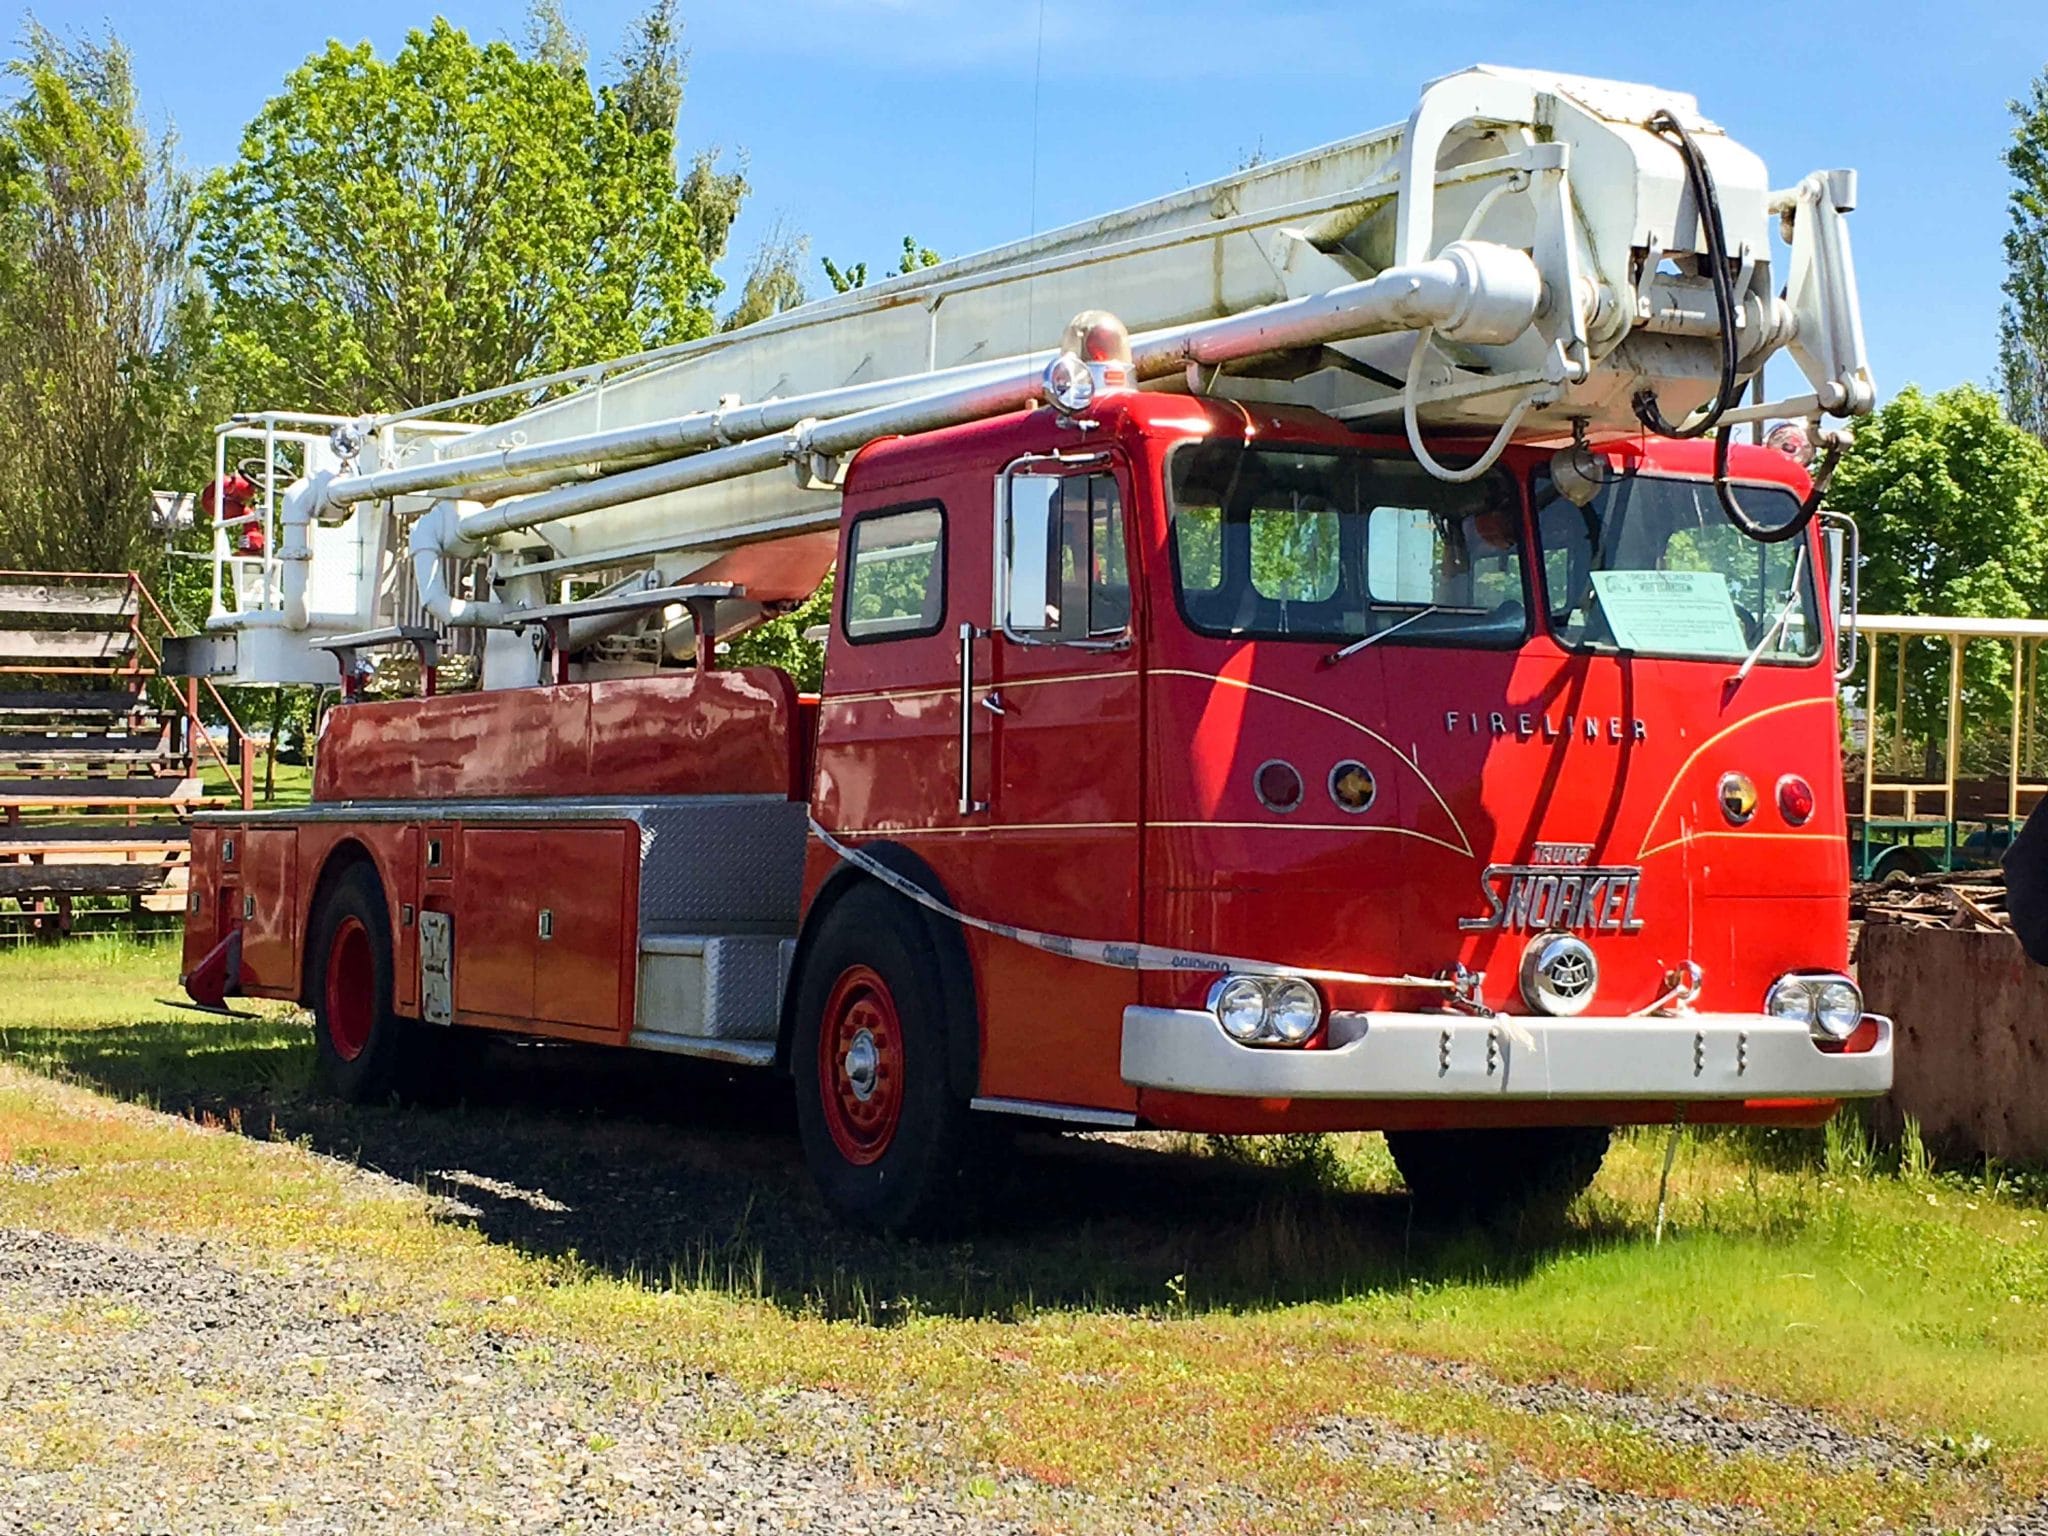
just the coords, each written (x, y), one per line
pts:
(1065, 700)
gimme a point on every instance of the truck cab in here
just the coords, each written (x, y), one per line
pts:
(1268, 783)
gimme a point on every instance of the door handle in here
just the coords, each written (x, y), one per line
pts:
(968, 804)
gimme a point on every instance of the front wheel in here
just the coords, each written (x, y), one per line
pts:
(1485, 1175)
(891, 1144)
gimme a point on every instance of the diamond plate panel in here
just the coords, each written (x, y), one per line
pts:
(742, 987)
(720, 862)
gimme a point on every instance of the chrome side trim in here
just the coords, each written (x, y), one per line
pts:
(741, 1053)
(1068, 1114)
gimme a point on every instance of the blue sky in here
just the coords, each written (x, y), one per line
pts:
(866, 120)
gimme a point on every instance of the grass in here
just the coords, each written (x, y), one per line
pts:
(1156, 1329)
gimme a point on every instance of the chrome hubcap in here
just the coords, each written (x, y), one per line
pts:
(861, 1064)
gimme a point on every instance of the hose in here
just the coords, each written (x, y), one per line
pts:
(1708, 204)
(1464, 473)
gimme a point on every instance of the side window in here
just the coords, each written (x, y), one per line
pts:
(896, 575)
(1095, 576)
(1295, 551)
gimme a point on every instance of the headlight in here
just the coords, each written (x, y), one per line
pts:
(1829, 1006)
(1239, 1003)
(1293, 1010)
(1266, 1010)
(1837, 1009)
(1789, 999)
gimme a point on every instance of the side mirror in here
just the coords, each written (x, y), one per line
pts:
(1027, 542)
(1844, 546)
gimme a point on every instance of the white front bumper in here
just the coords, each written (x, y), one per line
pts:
(1456, 1056)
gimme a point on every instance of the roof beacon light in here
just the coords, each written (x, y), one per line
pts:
(1094, 359)
(1791, 439)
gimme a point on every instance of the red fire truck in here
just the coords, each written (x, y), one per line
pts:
(1194, 751)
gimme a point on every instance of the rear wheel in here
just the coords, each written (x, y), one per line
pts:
(1901, 861)
(364, 1050)
(1485, 1175)
(891, 1144)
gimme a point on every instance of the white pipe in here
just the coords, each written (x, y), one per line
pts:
(294, 547)
(511, 471)
(1473, 291)
(436, 534)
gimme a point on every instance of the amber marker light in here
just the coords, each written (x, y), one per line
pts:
(1737, 794)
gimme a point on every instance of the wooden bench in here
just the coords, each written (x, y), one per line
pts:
(136, 879)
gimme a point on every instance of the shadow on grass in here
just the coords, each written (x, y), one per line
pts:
(668, 1172)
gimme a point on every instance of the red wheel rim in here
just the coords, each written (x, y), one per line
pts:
(351, 985)
(860, 1065)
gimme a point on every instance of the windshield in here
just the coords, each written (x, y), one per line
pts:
(1318, 544)
(1654, 567)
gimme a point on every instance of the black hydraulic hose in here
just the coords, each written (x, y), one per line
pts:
(1765, 533)
(1707, 203)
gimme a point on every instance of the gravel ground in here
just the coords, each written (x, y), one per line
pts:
(155, 1385)
(153, 1388)
(1723, 1423)
(1532, 1505)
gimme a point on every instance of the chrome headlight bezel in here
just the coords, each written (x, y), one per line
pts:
(1289, 1009)
(1828, 1003)
(1239, 1004)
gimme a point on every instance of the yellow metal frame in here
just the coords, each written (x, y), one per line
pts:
(2026, 637)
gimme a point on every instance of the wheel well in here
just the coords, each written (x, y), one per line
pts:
(344, 856)
(956, 967)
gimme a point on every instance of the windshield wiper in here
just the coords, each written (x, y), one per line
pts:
(1775, 631)
(1377, 635)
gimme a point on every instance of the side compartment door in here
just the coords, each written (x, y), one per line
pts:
(495, 922)
(581, 929)
(270, 900)
(1064, 796)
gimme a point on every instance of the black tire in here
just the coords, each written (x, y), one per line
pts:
(1488, 1175)
(1901, 861)
(905, 1160)
(364, 1051)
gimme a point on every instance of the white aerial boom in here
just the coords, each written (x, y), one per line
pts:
(1529, 256)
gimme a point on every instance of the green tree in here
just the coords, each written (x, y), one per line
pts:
(773, 282)
(103, 395)
(780, 642)
(460, 216)
(2023, 324)
(1951, 500)
(915, 258)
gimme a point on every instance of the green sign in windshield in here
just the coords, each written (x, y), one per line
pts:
(1681, 613)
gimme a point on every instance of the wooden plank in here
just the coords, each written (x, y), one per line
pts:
(73, 849)
(80, 879)
(16, 837)
(96, 702)
(101, 598)
(82, 749)
(66, 644)
(62, 792)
